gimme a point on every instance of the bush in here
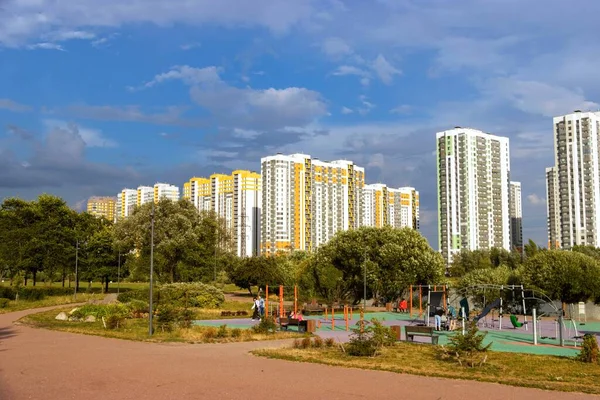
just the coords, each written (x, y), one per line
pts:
(209, 333)
(116, 314)
(31, 293)
(236, 333)
(468, 349)
(329, 342)
(368, 341)
(222, 332)
(7, 292)
(317, 342)
(297, 344)
(178, 295)
(138, 307)
(4, 302)
(266, 325)
(306, 343)
(185, 318)
(589, 349)
(97, 311)
(166, 317)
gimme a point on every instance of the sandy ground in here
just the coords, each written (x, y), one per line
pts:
(41, 364)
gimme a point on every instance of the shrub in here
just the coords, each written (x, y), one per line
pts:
(317, 342)
(367, 341)
(382, 335)
(7, 292)
(589, 350)
(297, 344)
(468, 349)
(138, 307)
(185, 318)
(178, 295)
(116, 314)
(222, 332)
(31, 293)
(329, 342)
(306, 343)
(266, 325)
(236, 333)
(95, 310)
(166, 317)
(209, 333)
(4, 302)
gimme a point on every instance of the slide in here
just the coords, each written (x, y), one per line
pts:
(486, 310)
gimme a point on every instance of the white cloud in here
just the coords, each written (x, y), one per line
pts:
(335, 47)
(536, 200)
(366, 107)
(91, 137)
(186, 74)
(346, 110)
(8, 104)
(365, 76)
(60, 36)
(46, 46)
(402, 109)
(189, 46)
(384, 69)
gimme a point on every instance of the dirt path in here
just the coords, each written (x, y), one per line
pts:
(41, 364)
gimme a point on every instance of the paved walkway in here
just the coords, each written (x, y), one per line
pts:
(41, 364)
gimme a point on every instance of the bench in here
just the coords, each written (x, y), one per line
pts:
(284, 323)
(411, 331)
(310, 310)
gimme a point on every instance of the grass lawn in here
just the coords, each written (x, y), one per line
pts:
(516, 369)
(48, 301)
(137, 329)
(83, 286)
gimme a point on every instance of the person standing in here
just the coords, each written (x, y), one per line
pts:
(261, 306)
(255, 309)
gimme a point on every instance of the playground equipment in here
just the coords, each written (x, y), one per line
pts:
(281, 309)
(436, 298)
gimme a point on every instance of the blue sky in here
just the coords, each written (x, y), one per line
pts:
(96, 98)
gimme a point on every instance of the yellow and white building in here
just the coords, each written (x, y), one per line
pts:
(307, 201)
(102, 207)
(165, 191)
(126, 202)
(236, 199)
(383, 206)
(145, 194)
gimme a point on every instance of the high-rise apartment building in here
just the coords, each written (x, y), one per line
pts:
(516, 216)
(236, 199)
(552, 209)
(383, 206)
(305, 201)
(145, 194)
(473, 171)
(126, 202)
(165, 191)
(102, 207)
(574, 184)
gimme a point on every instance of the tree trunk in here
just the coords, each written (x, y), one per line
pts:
(34, 273)
(106, 284)
(250, 290)
(63, 277)
(77, 282)
(25, 279)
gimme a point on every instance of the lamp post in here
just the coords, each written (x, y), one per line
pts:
(151, 269)
(76, 267)
(119, 275)
(365, 283)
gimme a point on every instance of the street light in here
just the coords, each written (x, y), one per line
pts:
(76, 265)
(151, 269)
(365, 284)
(119, 274)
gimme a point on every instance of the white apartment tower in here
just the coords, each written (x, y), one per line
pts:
(552, 209)
(473, 171)
(384, 206)
(236, 199)
(165, 191)
(574, 184)
(516, 216)
(307, 201)
(145, 194)
(126, 202)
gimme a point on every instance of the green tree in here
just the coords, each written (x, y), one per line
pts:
(393, 260)
(564, 275)
(187, 244)
(258, 271)
(101, 258)
(531, 249)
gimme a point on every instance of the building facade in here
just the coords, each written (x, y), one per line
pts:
(473, 175)
(126, 202)
(305, 201)
(552, 208)
(573, 185)
(516, 216)
(145, 194)
(102, 207)
(236, 199)
(384, 206)
(165, 191)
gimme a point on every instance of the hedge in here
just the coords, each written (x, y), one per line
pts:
(179, 295)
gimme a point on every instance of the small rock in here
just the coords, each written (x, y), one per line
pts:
(90, 318)
(62, 317)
